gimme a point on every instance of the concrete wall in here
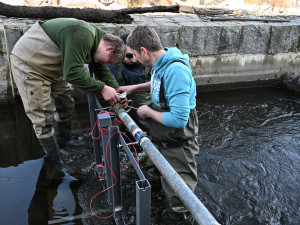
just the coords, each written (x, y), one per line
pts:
(222, 54)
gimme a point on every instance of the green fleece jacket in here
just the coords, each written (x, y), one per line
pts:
(78, 41)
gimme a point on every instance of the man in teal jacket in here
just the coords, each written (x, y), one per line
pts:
(171, 118)
(52, 54)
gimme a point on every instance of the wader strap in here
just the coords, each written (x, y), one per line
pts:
(162, 98)
(177, 144)
(122, 80)
(120, 70)
(147, 73)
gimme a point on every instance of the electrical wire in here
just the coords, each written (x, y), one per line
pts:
(91, 209)
(103, 130)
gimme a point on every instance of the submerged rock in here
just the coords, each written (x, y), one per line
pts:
(292, 82)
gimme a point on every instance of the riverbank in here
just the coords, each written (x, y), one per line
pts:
(223, 54)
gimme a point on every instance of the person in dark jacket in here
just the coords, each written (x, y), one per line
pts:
(130, 70)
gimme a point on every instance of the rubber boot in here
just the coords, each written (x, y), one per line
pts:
(63, 137)
(51, 149)
(62, 132)
(182, 218)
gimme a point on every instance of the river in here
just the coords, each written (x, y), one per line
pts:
(248, 165)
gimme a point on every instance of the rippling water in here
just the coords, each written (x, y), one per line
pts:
(249, 159)
(248, 165)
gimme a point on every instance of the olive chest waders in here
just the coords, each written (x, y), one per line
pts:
(179, 147)
(37, 71)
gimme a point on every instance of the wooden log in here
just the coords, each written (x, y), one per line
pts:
(50, 12)
(138, 10)
(120, 16)
(212, 11)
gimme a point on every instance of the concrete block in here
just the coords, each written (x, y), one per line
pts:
(185, 18)
(2, 40)
(199, 39)
(109, 28)
(140, 19)
(292, 82)
(125, 29)
(158, 28)
(255, 39)
(235, 68)
(284, 39)
(162, 20)
(230, 39)
(298, 46)
(3, 67)
(169, 35)
(12, 36)
(137, 18)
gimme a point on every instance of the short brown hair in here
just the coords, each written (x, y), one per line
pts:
(144, 36)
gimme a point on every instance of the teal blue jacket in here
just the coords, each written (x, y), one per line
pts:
(179, 87)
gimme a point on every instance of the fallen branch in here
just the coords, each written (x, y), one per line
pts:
(86, 14)
(139, 10)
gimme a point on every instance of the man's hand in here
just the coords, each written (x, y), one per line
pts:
(124, 102)
(110, 94)
(144, 111)
(143, 87)
(129, 89)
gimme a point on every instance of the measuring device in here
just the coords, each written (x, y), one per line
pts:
(122, 95)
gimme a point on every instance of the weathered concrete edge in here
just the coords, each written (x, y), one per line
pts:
(231, 68)
(220, 53)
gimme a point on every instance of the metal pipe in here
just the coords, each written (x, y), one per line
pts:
(188, 198)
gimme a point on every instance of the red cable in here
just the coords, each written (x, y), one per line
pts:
(105, 217)
(108, 164)
(96, 173)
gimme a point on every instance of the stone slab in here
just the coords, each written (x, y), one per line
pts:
(230, 39)
(255, 39)
(198, 40)
(284, 39)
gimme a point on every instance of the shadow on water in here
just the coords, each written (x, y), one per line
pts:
(248, 165)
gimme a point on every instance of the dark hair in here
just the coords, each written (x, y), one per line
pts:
(144, 36)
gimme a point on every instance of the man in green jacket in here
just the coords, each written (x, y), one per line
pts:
(48, 57)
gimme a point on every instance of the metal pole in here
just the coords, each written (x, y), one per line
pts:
(143, 190)
(104, 122)
(189, 199)
(114, 161)
(132, 159)
(143, 202)
(93, 103)
(93, 118)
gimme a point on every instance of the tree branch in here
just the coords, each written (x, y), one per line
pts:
(86, 14)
